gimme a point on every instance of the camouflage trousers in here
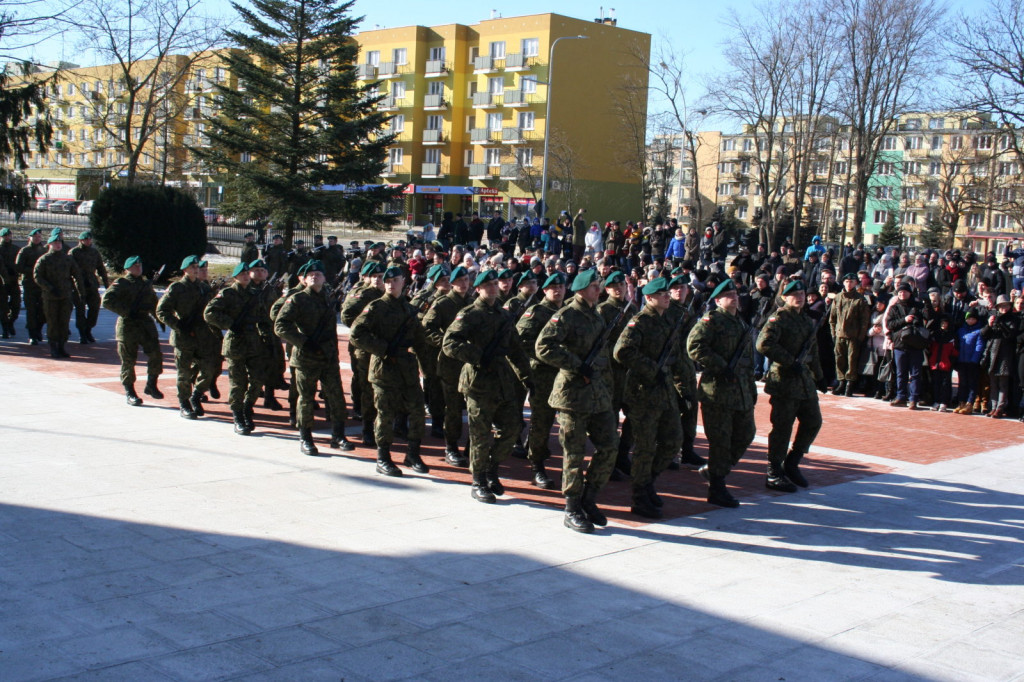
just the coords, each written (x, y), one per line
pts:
(454, 404)
(542, 418)
(434, 392)
(657, 437)
(306, 380)
(275, 363)
(574, 429)
(847, 359)
(784, 412)
(368, 396)
(128, 350)
(391, 402)
(246, 376)
(58, 318)
(729, 433)
(34, 316)
(488, 448)
(688, 421)
(354, 387)
(10, 302)
(87, 310)
(196, 370)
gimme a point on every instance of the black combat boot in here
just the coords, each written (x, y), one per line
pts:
(338, 439)
(719, 495)
(575, 519)
(791, 467)
(493, 482)
(481, 490)
(413, 459)
(214, 391)
(588, 502)
(196, 402)
(776, 480)
(83, 336)
(454, 457)
(241, 427)
(653, 494)
(6, 329)
(691, 458)
(250, 418)
(186, 410)
(540, 476)
(61, 351)
(840, 388)
(849, 389)
(643, 505)
(269, 401)
(131, 397)
(151, 389)
(306, 444)
(369, 440)
(53, 350)
(384, 464)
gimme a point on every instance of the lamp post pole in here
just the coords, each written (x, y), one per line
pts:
(547, 125)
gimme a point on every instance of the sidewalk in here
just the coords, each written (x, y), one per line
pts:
(136, 546)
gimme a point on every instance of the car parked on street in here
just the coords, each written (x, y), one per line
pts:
(85, 208)
(56, 206)
(42, 205)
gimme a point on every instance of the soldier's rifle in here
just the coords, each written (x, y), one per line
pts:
(798, 361)
(602, 340)
(745, 341)
(666, 350)
(398, 340)
(258, 298)
(137, 303)
(488, 354)
(334, 294)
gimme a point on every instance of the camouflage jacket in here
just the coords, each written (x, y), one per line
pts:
(435, 324)
(134, 301)
(387, 329)
(26, 263)
(638, 350)
(850, 316)
(564, 343)
(53, 274)
(181, 308)
(90, 262)
(712, 343)
(304, 314)
(483, 337)
(781, 339)
(234, 310)
(684, 373)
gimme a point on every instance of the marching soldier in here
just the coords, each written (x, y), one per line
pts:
(727, 393)
(181, 308)
(369, 290)
(424, 299)
(209, 340)
(53, 274)
(274, 371)
(684, 302)
(574, 341)
(850, 319)
(506, 285)
(527, 285)
(483, 338)
(387, 329)
(33, 300)
(132, 298)
(789, 340)
(10, 292)
(435, 325)
(237, 310)
(308, 321)
(90, 264)
(649, 350)
(610, 309)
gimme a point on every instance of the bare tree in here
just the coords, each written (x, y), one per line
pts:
(24, 24)
(155, 49)
(629, 105)
(887, 46)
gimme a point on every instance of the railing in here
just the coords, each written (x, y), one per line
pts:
(433, 136)
(479, 170)
(366, 72)
(436, 67)
(486, 99)
(434, 102)
(517, 60)
(432, 170)
(513, 135)
(485, 63)
(483, 135)
(509, 171)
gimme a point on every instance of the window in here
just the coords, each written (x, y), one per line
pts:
(936, 141)
(914, 142)
(936, 123)
(526, 120)
(886, 168)
(909, 193)
(83, 87)
(725, 167)
(744, 166)
(432, 155)
(396, 155)
(881, 217)
(398, 123)
(934, 168)
(496, 86)
(70, 90)
(494, 121)
(400, 56)
(531, 47)
(933, 193)
(219, 74)
(883, 192)
(474, 52)
(245, 157)
(979, 169)
(97, 158)
(470, 122)
(492, 155)
(975, 220)
(373, 57)
(1007, 168)
(524, 156)
(956, 142)
(728, 145)
(912, 168)
(741, 212)
(1004, 195)
(888, 143)
(398, 89)
(821, 167)
(725, 189)
(435, 122)
(838, 192)
(1002, 222)
(822, 144)
(497, 50)
(748, 145)
(472, 89)
(528, 84)
(744, 190)
(912, 124)
(818, 191)
(983, 142)
(436, 54)
(467, 158)
(841, 167)
(1004, 142)
(910, 217)
(71, 135)
(435, 88)
(837, 214)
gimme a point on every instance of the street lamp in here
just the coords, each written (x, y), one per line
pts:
(547, 125)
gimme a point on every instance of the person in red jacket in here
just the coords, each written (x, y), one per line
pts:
(941, 353)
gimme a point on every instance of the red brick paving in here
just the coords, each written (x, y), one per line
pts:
(855, 425)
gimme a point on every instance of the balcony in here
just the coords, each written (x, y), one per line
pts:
(366, 72)
(509, 171)
(435, 102)
(486, 100)
(392, 169)
(519, 62)
(516, 135)
(480, 171)
(391, 70)
(390, 103)
(518, 98)
(484, 135)
(433, 170)
(436, 68)
(433, 137)
(487, 64)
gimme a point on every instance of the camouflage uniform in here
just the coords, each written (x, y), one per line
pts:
(276, 259)
(686, 378)
(181, 308)
(584, 407)
(423, 301)
(793, 391)
(209, 342)
(483, 338)
(850, 319)
(10, 292)
(542, 415)
(274, 370)
(26, 263)
(726, 399)
(609, 310)
(90, 263)
(435, 323)
(250, 252)
(385, 331)
(237, 309)
(53, 274)
(133, 299)
(358, 299)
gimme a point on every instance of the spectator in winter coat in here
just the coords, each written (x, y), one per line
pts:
(920, 272)
(594, 242)
(1000, 354)
(941, 353)
(970, 347)
(816, 247)
(677, 247)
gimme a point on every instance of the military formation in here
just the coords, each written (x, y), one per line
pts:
(463, 343)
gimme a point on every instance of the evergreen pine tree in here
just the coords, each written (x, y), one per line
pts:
(891, 233)
(19, 100)
(935, 235)
(298, 120)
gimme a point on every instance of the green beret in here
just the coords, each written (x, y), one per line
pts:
(131, 261)
(239, 269)
(585, 279)
(615, 278)
(725, 287)
(678, 270)
(436, 272)
(34, 232)
(527, 276)
(85, 235)
(372, 267)
(4, 232)
(53, 238)
(58, 231)
(391, 273)
(485, 277)
(678, 281)
(258, 263)
(458, 272)
(795, 286)
(850, 275)
(314, 266)
(554, 280)
(506, 274)
(189, 260)
(202, 264)
(300, 242)
(656, 285)
(379, 245)
(277, 236)
(303, 269)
